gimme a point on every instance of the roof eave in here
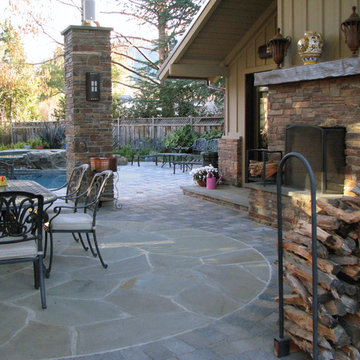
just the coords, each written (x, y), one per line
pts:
(193, 29)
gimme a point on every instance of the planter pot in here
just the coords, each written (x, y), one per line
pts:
(103, 163)
(201, 183)
(39, 147)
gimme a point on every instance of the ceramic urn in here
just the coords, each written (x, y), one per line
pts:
(310, 47)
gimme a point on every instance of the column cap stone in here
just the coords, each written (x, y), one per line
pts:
(85, 27)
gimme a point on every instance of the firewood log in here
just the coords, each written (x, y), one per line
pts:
(294, 299)
(335, 307)
(351, 328)
(304, 228)
(349, 218)
(306, 346)
(324, 265)
(328, 222)
(300, 289)
(355, 200)
(351, 351)
(352, 271)
(340, 355)
(345, 260)
(323, 294)
(292, 328)
(322, 250)
(299, 266)
(325, 318)
(337, 335)
(351, 305)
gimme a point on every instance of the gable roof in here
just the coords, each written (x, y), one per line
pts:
(220, 25)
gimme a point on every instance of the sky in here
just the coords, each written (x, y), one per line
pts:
(40, 47)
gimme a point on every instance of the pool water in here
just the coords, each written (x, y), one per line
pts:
(51, 179)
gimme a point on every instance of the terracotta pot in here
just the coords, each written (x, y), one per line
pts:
(103, 163)
(39, 146)
(201, 183)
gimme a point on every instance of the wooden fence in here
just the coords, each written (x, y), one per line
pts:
(124, 131)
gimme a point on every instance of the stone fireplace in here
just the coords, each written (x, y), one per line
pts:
(324, 148)
(326, 95)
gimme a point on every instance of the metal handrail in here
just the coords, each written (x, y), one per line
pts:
(314, 254)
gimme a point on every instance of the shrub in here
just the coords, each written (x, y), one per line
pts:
(125, 151)
(212, 134)
(52, 136)
(183, 136)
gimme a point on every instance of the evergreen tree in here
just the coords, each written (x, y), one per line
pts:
(171, 97)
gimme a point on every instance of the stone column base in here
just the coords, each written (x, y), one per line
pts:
(230, 160)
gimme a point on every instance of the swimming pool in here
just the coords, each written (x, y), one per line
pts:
(51, 178)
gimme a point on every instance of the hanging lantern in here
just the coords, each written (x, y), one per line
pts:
(351, 29)
(278, 46)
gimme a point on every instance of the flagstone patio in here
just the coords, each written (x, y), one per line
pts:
(187, 279)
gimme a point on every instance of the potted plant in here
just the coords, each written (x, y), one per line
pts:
(201, 174)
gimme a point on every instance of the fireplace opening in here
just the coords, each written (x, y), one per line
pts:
(324, 148)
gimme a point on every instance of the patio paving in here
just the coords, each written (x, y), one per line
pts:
(187, 279)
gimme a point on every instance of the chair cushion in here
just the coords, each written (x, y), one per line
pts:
(72, 222)
(18, 250)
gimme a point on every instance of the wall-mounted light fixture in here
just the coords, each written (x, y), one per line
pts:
(278, 46)
(92, 86)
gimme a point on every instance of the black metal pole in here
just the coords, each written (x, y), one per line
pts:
(282, 343)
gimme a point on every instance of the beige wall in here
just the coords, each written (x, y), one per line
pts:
(244, 59)
(324, 16)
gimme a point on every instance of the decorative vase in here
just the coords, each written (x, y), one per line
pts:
(201, 183)
(310, 47)
(277, 47)
(351, 29)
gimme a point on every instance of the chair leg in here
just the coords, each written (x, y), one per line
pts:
(81, 240)
(98, 251)
(48, 269)
(89, 242)
(36, 274)
(42, 281)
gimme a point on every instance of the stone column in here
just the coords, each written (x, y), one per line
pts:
(88, 123)
(230, 160)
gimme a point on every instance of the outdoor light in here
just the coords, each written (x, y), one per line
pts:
(278, 46)
(351, 29)
(92, 86)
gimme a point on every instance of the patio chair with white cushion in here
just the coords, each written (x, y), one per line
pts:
(81, 219)
(21, 219)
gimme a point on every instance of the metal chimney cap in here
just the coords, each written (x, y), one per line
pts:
(88, 10)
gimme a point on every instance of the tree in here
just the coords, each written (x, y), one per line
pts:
(18, 82)
(171, 97)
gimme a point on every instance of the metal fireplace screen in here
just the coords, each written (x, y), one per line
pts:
(324, 148)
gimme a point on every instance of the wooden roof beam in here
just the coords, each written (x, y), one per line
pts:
(197, 71)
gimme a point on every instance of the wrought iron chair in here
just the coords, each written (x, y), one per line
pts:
(73, 185)
(81, 220)
(7, 169)
(21, 217)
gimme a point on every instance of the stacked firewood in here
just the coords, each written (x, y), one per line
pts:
(256, 168)
(338, 236)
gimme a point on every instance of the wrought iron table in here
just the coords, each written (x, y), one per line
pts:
(32, 187)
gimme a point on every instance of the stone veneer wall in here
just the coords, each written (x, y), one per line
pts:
(88, 123)
(230, 152)
(326, 102)
(263, 206)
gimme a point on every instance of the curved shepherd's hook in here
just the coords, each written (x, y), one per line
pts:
(281, 344)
